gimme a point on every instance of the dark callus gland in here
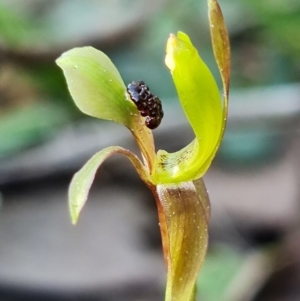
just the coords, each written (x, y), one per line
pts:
(149, 105)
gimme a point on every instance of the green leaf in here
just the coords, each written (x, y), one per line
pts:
(23, 126)
(96, 85)
(201, 102)
(186, 214)
(222, 271)
(83, 179)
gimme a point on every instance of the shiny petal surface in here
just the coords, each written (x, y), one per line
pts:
(96, 85)
(202, 104)
(185, 236)
(83, 179)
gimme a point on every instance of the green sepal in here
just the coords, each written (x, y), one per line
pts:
(83, 179)
(96, 85)
(221, 46)
(186, 215)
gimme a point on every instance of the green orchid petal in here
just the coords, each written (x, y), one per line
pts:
(201, 102)
(184, 215)
(221, 46)
(98, 90)
(83, 179)
(96, 85)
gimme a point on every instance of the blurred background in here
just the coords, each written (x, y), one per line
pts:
(114, 253)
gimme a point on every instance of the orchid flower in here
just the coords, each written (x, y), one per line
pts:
(175, 179)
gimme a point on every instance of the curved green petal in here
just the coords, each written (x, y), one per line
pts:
(83, 179)
(221, 48)
(201, 102)
(185, 217)
(96, 85)
(221, 45)
(98, 90)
